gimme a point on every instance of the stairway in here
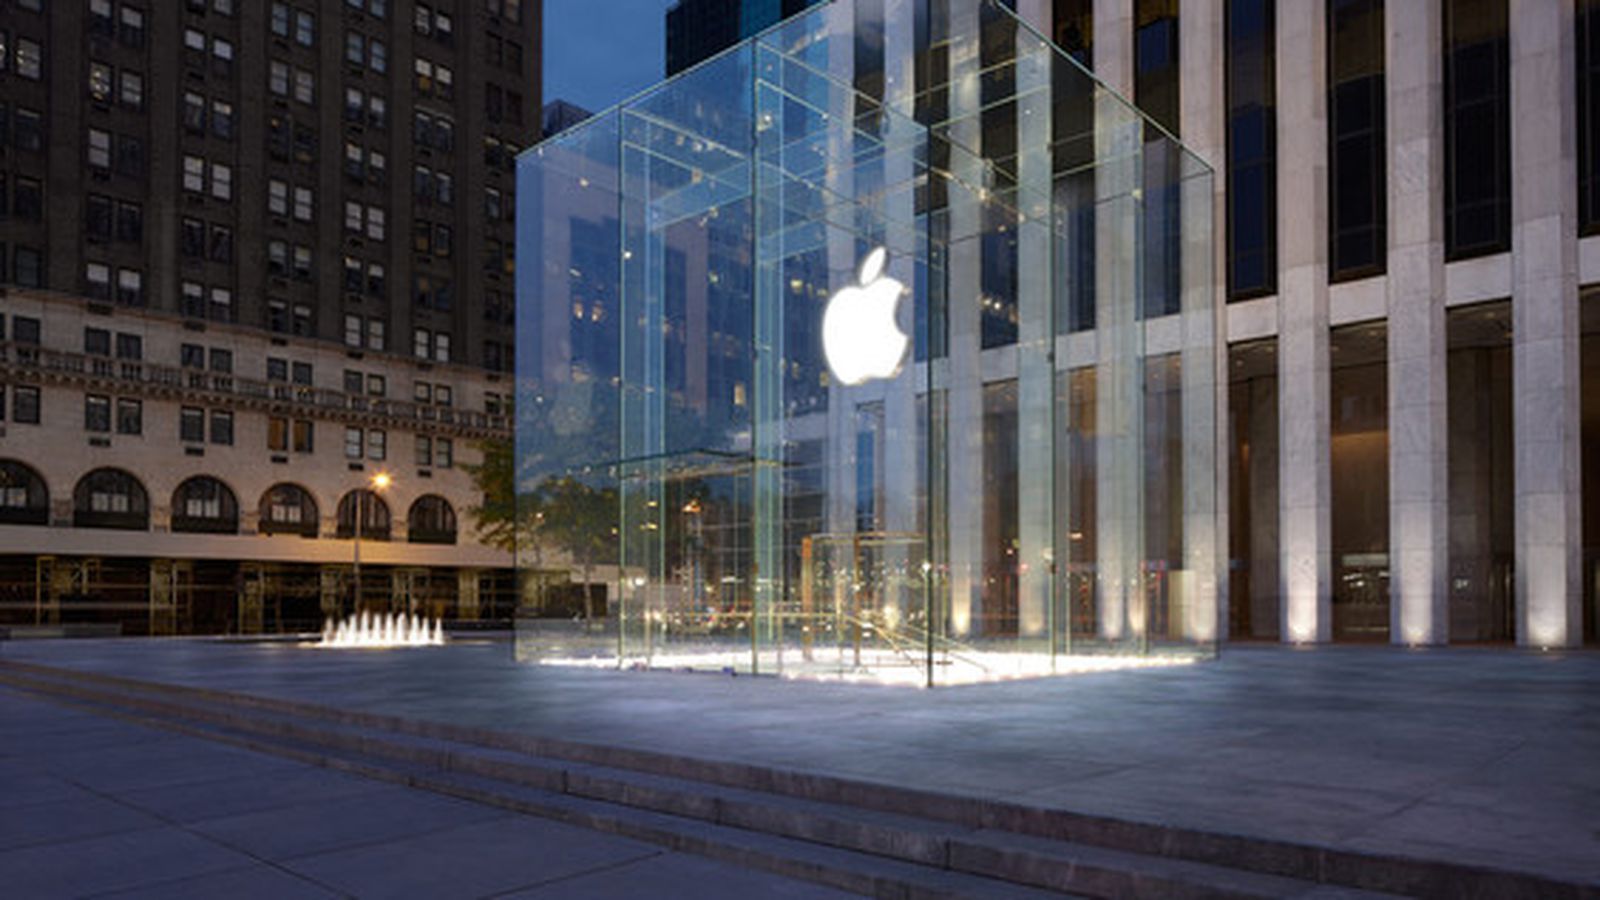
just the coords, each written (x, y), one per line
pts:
(871, 839)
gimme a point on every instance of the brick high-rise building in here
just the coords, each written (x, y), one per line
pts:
(243, 230)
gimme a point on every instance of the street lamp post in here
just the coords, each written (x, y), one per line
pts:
(378, 482)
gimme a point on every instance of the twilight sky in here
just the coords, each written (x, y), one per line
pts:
(598, 52)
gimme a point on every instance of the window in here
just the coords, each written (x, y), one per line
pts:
(301, 436)
(27, 201)
(288, 509)
(354, 444)
(205, 505)
(352, 330)
(278, 78)
(194, 113)
(221, 243)
(377, 444)
(132, 30)
(377, 284)
(280, 19)
(221, 361)
(375, 223)
(352, 381)
(222, 427)
(278, 257)
(305, 86)
(375, 334)
(97, 218)
(303, 204)
(129, 346)
(27, 266)
(300, 373)
(431, 521)
(221, 181)
(29, 59)
(130, 222)
(97, 280)
(24, 404)
(353, 216)
(1588, 60)
(223, 119)
(305, 28)
(130, 287)
(421, 343)
(192, 425)
(193, 303)
(194, 172)
(110, 498)
(221, 308)
(277, 197)
(302, 262)
(27, 132)
(1252, 155)
(97, 413)
(97, 342)
(130, 89)
(221, 56)
(99, 81)
(130, 416)
(1356, 139)
(1477, 134)
(99, 149)
(377, 56)
(443, 453)
(377, 385)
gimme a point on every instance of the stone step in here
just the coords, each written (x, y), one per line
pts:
(1029, 846)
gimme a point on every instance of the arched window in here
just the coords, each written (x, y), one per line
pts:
(110, 498)
(24, 499)
(374, 516)
(288, 509)
(204, 504)
(431, 521)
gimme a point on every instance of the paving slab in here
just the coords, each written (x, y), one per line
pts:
(80, 822)
(1327, 745)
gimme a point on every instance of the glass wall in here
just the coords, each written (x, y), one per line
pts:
(792, 386)
(1482, 541)
(1359, 461)
(1253, 590)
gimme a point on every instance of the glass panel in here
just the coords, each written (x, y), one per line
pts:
(1359, 455)
(1482, 546)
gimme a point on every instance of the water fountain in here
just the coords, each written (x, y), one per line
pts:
(369, 629)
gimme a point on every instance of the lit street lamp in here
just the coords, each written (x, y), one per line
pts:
(379, 482)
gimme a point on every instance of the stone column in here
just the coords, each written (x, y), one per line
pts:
(1035, 327)
(1202, 123)
(1418, 415)
(1304, 507)
(163, 598)
(1113, 44)
(1544, 351)
(965, 423)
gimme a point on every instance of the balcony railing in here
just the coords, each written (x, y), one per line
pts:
(299, 399)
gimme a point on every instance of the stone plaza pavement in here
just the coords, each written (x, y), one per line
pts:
(92, 806)
(1484, 756)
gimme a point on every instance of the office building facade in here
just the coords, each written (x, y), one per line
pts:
(251, 254)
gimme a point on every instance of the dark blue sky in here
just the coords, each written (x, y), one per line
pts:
(597, 52)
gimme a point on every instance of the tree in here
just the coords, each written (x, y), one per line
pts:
(582, 520)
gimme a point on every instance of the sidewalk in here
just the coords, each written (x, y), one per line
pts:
(1482, 756)
(93, 806)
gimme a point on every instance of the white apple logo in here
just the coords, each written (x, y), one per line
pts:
(860, 336)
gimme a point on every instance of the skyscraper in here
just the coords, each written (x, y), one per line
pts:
(234, 233)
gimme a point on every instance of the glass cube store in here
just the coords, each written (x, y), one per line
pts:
(734, 475)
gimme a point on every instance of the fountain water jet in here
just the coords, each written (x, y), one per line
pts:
(367, 629)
